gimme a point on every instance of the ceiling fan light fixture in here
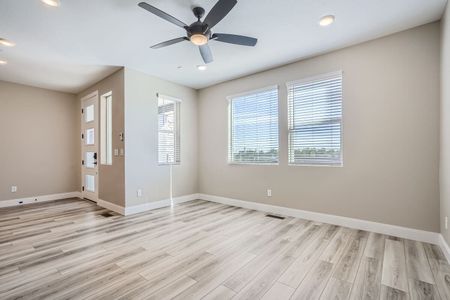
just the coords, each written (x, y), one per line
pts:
(199, 33)
(199, 39)
(6, 43)
(54, 3)
(327, 20)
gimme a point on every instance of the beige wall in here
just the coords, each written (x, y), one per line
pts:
(112, 177)
(141, 120)
(391, 136)
(445, 122)
(135, 114)
(39, 151)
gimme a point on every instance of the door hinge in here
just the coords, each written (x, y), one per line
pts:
(82, 162)
(82, 188)
(82, 111)
(82, 136)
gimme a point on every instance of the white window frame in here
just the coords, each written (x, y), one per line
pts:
(230, 126)
(177, 158)
(308, 80)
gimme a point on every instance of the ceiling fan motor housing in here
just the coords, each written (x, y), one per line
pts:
(198, 28)
(199, 12)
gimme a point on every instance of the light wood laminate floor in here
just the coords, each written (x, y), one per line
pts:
(201, 250)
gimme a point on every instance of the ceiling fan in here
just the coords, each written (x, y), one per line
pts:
(199, 32)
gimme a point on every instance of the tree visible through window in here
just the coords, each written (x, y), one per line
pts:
(254, 127)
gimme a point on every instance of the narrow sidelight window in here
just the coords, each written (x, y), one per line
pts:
(168, 130)
(315, 120)
(253, 127)
(106, 129)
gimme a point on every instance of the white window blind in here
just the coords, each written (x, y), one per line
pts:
(168, 130)
(253, 135)
(315, 120)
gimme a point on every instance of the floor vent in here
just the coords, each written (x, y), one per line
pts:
(107, 214)
(275, 216)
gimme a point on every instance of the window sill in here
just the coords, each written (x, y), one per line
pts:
(317, 165)
(252, 164)
(169, 164)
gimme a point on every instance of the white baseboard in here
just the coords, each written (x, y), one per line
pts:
(444, 247)
(131, 210)
(37, 199)
(111, 206)
(158, 204)
(393, 230)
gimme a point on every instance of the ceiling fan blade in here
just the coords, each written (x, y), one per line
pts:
(218, 12)
(206, 53)
(235, 39)
(161, 14)
(169, 42)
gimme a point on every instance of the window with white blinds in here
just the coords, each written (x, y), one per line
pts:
(168, 130)
(315, 120)
(253, 135)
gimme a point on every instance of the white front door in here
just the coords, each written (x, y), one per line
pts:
(89, 146)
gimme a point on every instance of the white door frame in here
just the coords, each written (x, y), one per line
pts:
(85, 193)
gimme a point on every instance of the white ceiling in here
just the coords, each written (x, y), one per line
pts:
(70, 47)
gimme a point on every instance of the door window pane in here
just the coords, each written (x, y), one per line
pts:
(90, 160)
(90, 135)
(89, 113)
(89, 183)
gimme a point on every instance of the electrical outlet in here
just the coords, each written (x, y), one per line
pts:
(139, 193)
(13, 189)
(269, 193)
(446, 222)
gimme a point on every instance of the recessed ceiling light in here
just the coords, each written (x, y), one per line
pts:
(3, 62)
(327, 20)
(6, 43)
(54, 3)
(202, 67)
